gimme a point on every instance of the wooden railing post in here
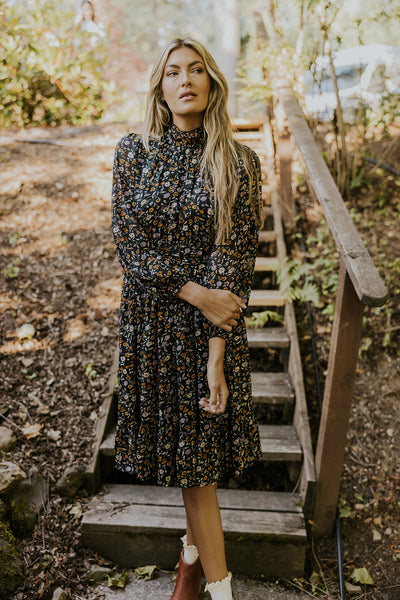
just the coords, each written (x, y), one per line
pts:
(285, 148)
(339, 387)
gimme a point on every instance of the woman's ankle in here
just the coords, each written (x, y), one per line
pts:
(190, 552)
(221, 589)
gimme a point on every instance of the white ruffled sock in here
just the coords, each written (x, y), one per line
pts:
(220, 590)
(190, 553)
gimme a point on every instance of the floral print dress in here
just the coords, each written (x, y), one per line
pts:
(163, 226)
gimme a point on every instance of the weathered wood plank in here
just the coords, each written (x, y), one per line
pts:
(267, 263)
(267, 211)
(247, 124)
(365, 278)
(117, 496)
(267, 337)
(307, 485)
(163, 519)
(266, 298)
(138, 525)
(104, 422)
(248, 136)
(266, 236)
(272, 388)
(280, 443)
(338, 394)
(255, 556)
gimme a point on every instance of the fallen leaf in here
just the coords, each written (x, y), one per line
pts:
(31, 431)
(118, 580)
(352, 589)
(361, 575)
(147, 572)
(25, 331)
(53, 434)
(26, 361)
(376, 536)
(76, 510)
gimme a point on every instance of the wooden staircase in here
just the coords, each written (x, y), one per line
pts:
(264, 528)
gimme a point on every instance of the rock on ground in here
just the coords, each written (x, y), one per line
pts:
(10, 475)
(7, 439)
(11, 566)
(71, 481)
(26, 501)
(59, 594)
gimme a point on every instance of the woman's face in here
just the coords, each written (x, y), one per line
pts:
(87, 11)
(185, 88)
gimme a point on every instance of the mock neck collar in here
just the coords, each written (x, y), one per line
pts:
(194, 137)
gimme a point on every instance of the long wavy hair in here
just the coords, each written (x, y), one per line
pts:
(219, 162)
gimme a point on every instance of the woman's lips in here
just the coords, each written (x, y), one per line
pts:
(187, 96)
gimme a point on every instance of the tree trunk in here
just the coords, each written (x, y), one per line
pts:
(227, 49)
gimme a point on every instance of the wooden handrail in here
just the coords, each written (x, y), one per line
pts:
(359, 285)
(366, 280)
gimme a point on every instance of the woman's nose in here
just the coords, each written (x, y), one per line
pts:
(185, 78)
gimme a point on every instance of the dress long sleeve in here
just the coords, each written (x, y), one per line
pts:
(231, 265)
(162, 275)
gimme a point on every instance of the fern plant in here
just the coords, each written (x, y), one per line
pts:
(259, 319)
(294, 282)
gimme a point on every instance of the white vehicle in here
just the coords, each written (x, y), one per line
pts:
(365, 75)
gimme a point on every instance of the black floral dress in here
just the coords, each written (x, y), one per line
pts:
(163, 226)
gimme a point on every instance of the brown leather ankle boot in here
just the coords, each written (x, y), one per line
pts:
(188, 580)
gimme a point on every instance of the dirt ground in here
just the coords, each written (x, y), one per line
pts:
(61, 275)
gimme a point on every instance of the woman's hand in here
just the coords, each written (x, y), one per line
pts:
(219, 393)
(221, 307)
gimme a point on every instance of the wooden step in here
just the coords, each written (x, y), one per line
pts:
(272, 388)
(248, 124)
(268, 337)
(268, 211)
(264, 298)
(267, 263)
(280, 443)
(249, 136)
(139, 525)
(266, 236)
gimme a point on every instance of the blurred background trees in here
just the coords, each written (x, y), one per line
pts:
(51, 72)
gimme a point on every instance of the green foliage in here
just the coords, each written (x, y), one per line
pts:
(343, 508)
(49, 73)
(259, 319)
(12, 270)
(90, 370)
(11, 566)
(294, 282)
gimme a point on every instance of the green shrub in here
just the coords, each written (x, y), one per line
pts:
(49, 72)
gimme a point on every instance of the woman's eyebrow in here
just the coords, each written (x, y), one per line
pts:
(195, 62)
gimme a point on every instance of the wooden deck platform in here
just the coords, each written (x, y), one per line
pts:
(124, 523)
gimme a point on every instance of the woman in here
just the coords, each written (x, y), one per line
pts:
(186, 216)
(86, 22)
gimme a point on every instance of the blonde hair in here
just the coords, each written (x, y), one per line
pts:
(221, 152)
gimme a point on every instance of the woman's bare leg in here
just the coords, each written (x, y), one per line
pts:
(205, 530)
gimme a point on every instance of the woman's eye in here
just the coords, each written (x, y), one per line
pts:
(171, 73)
